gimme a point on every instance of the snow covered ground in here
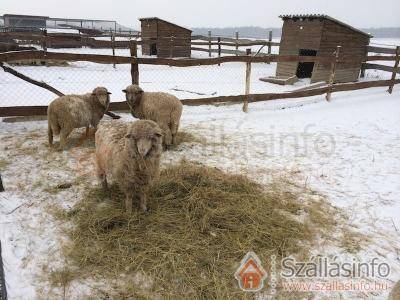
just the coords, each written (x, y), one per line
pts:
(348, 149)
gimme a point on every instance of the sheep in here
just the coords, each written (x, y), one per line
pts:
(130, 153)
(74, 111)
(395, 293)
(162, 108)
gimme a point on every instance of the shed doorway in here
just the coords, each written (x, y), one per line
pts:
(153, 49)
(305, 69)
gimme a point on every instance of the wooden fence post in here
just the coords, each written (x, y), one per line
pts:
(171, 47)
(113, 45)
(1, 185)
(396, 65)
(134, 66)
(333, 71)
(219, 48)
(269, 44)
(247, 89)
(209, 43)
(362, 73)
(44, 40)
(237, 42)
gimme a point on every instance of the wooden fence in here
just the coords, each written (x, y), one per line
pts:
(135, 61)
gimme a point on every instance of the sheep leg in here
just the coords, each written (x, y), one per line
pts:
(128, 202)
(174, 131)
(104, 184)
(87, 131)
(63, 137)
(50, 135)
(143, 201)
(167, 136)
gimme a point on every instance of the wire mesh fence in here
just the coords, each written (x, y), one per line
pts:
(82, 77)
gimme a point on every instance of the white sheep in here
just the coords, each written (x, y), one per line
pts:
(74, 111)
(130, 152)
(162, 108)
(395, 293)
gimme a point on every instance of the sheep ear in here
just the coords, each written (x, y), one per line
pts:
(129, 136)
(124, 91)
(108, 93)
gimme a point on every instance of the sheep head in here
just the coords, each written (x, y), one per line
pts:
(102, 96)
(133, 94)
(145, 138)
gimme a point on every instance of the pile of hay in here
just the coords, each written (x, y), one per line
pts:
(201, 223)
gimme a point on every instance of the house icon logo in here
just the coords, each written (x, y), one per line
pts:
(250, 274)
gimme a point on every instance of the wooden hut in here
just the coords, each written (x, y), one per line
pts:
(165, 39)
(24, 21)
(319, 35)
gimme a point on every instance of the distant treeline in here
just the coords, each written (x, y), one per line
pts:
(260, 32)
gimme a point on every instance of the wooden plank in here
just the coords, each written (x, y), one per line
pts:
(395, 68)
(209, 43)
(30, 80)
(381, 50)
(122, 106)
(134, 66)
(98, 58)
(232, 40)
(333, 73)
(368, 66)
(247, 88)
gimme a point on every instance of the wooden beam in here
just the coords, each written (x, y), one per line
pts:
(247, 88)
(186, 62)
(333, 73)
(381, 50)
(395, 68)
(368, 66)
(31, 80)
(123, 106)
(134, 66)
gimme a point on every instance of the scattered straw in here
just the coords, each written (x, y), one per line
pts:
(201, 223)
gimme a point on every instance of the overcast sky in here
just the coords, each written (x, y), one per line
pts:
(212, 13)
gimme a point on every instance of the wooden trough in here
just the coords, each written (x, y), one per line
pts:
(281, 80)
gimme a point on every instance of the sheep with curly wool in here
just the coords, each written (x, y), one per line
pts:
(74, 111)
(162, 108)
(395, 293)
(130, 153)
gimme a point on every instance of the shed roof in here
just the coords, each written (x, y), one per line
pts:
(323, 17)
(158, 19)
(24, 16)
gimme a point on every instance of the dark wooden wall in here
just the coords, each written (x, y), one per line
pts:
(172, 40)
(353, 49)
(294, 38)
(149, 32)
(173, 36)
(323, 36)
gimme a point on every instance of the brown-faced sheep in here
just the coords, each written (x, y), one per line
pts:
(395, 293)
(130, 152)
(74, 111)
(162, 108)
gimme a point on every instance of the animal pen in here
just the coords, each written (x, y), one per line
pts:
(45, 74)
(247, 61)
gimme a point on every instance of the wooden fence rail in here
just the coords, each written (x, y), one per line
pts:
(368, 66)
(98, 58)
(135, 61)
(121, 106)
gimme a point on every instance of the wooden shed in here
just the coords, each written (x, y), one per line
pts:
(165, 39)
(24, 21)
(319, 35)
